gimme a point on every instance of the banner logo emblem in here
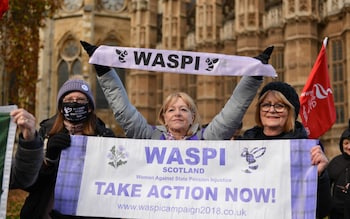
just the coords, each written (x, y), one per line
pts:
(251, 157)
(211, 63)
(117, 156)
(121, 55)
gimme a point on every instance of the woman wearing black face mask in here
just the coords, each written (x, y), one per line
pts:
(75, 116)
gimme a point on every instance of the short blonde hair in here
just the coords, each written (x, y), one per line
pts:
(290, 124)
(171, 99)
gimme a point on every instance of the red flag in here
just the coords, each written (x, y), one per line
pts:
(4, 6)
(317, 108)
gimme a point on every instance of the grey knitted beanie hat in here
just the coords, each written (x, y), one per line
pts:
(75, 85)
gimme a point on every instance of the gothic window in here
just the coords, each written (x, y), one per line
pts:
(76, 67)
(228, 10)
(272, 3)
(72, 5)
(63, 73)
(192, 86)
(313, 6)
(112, 5)
(70, 50)
(303, 5)
(291, 6)
(159, 101)
(69, 63)
(209, 15)
(241, 20)
(338, 79)
(159, 27)
(251, 19)
(191, 16)
(209, 23)
(277, 61)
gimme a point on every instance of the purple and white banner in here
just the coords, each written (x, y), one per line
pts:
(128, 178)
(185, 62)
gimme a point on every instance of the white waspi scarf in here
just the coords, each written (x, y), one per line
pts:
(184, 62)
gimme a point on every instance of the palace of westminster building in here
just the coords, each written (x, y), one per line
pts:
(296, 29)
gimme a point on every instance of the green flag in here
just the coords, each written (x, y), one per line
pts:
(5, 125)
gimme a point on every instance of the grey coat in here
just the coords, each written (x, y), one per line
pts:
(135, 125)
(27, 162)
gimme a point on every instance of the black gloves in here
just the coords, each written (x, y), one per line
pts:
(265, 56)
(56, 144)
(90, 49)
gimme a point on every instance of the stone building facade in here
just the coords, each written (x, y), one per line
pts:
(238, 27)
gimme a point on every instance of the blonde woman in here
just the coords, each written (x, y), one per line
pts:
(178, 116)
(276, 116)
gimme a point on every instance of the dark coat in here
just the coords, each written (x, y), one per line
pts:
(258, 134)
(339, 174)
(27, 162)
(40, 198)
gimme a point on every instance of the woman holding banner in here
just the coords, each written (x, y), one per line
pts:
(75, 116)
(276, 115)
(178, 116)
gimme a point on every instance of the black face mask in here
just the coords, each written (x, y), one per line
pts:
(75, 112)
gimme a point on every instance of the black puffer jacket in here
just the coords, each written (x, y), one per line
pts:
(323, 190)
(40, 199)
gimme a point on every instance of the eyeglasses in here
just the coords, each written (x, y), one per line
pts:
(278, 107)
(77, 100)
